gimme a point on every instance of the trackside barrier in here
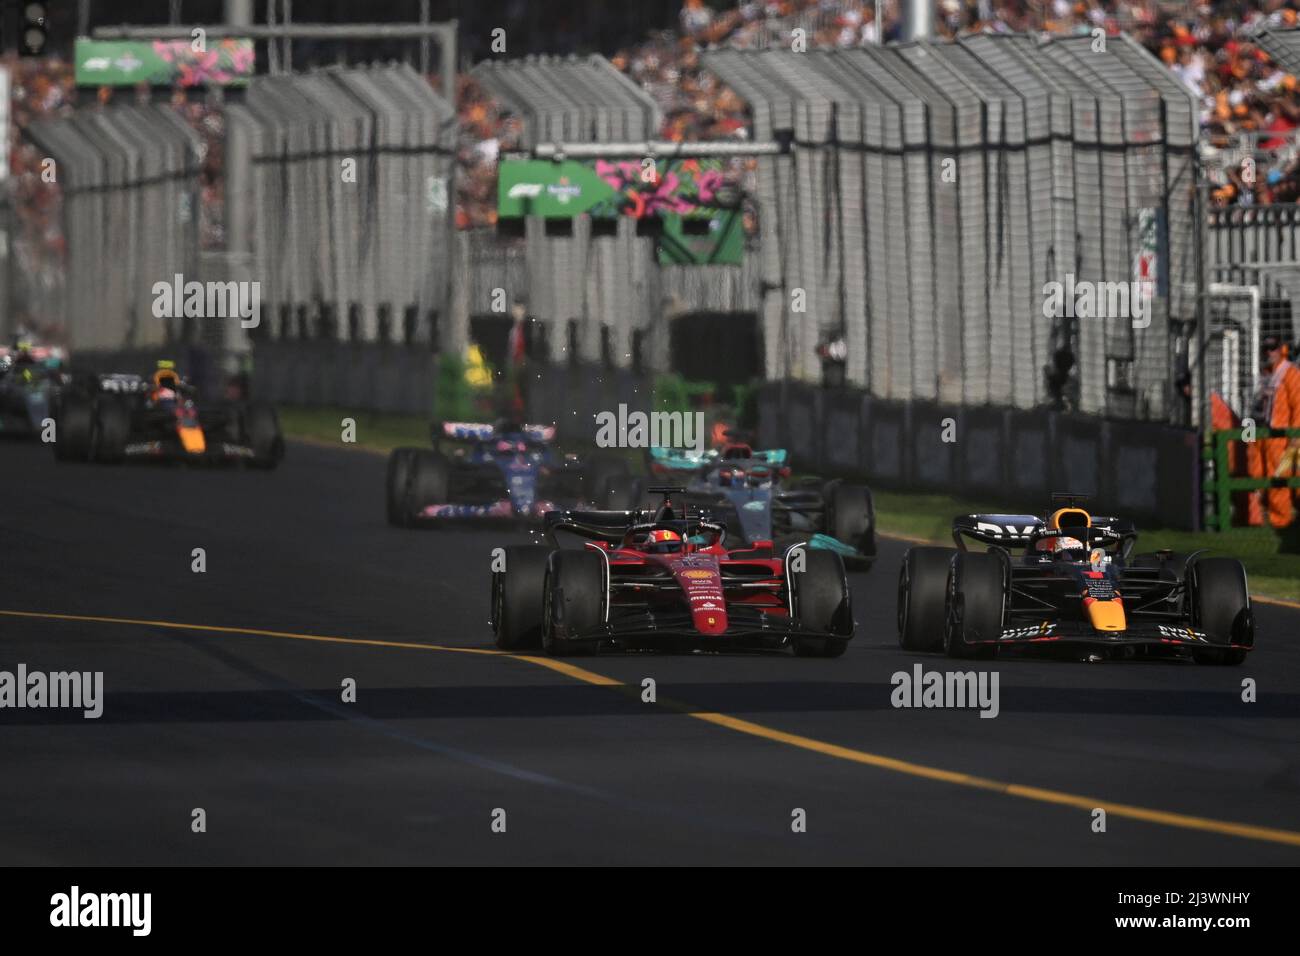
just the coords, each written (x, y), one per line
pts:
(930, 194)
(1220, 483)
(1009, 457)
(374, 376)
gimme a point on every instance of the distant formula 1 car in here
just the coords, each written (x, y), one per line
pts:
(506, 470)
(660, 577)
(30, 379)
(747, 491)
(1074, 589)
(124, 417)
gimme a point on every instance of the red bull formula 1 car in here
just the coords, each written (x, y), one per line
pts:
(662, 578)
(123, 417)
(1074, 588)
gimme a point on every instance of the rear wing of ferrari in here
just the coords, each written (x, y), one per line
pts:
(607, 526)
(611, 527)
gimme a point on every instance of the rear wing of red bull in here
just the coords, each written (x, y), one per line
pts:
(1003, 530)
(1020, 531)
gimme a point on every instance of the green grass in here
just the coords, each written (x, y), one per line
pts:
(925, 516)
(377, 431)
(929, 517)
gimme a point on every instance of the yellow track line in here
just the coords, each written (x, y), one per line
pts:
(893, 764)
(1280, 602)
(287, 635)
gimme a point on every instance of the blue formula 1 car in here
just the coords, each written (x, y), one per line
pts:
(502, 471)
(752, 494)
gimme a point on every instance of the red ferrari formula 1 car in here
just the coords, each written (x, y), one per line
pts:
(661, 578)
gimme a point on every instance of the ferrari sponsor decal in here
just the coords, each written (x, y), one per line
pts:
(698, 575)
(1035, 630)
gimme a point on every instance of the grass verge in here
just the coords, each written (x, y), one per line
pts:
(375, 431)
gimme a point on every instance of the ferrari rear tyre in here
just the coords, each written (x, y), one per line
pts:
(822, 604)
(573, 601)
(517, 598)
(976, 605)
(1221, 607)
(923, 598)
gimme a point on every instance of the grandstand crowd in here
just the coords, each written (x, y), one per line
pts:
(1243, 95)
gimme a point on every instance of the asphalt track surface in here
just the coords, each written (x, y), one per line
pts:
(251, 728)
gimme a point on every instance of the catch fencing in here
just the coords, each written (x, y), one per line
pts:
(1149, 471)
(931, 193)
(350, 199)
(129, 213)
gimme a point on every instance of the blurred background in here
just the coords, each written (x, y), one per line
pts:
(739, 205)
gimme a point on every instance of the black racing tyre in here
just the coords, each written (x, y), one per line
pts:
(976, 604)
(574, 600)
(261, 427)
(851, 517)
(923, 598)
(1221, 607)
(598, 474)
(74, 430)
(517, 599)
(427, 483)
(822, 604)
(112, 430)
(399, 474)
(624, 493)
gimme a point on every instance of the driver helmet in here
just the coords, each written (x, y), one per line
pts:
(166, 378)
(663, 541)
